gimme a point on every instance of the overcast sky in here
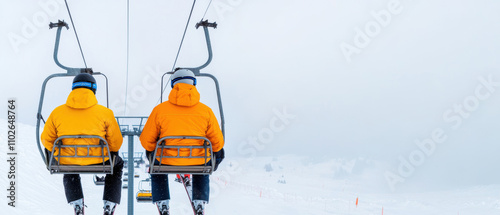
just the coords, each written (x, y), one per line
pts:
(322, 78)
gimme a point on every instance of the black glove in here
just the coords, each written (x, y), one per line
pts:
(219, 156)
(48, 154)
(149, 155)
(114, 155)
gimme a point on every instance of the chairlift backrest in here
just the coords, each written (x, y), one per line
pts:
(55, 167)
(206, 169)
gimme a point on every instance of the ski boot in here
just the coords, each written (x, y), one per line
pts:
(109, 207)
(78, 206)
(199, 206)
(163, 207)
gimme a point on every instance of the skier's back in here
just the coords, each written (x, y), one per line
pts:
(81, 115)
(182, 115)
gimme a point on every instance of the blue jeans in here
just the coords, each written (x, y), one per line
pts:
(160, 188)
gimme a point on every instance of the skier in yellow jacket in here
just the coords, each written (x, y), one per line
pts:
(182, 115)
(81, 115)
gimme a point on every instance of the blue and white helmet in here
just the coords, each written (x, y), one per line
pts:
(183, 76)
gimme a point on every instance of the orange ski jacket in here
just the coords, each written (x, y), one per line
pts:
(81, 115)
(182, 115)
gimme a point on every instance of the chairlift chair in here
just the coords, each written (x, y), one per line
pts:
(207, 146)
(98, 180)
(51, 160)
(144, 194)
(205, 169)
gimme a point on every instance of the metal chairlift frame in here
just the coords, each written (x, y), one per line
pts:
(69, 72)
(54, 166)
(197, 70)
(98, 180)
(137, 158)
(143, 190)
(203, 169)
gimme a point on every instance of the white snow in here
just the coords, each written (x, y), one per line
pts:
(262, 185)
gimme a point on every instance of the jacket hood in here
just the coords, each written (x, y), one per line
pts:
(184, 95)
(81, 98)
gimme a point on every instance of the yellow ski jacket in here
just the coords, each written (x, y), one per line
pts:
(81, 115)
(182, 115)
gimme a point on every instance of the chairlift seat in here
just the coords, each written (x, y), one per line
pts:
(56, 168)
(99, 180)
(144, 194)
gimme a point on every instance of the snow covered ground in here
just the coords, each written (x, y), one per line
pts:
(262, 185)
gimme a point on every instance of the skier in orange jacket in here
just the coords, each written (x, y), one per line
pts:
(182, 115)
(81, 115)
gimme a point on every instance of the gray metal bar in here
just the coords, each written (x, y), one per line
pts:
(163, 169)
(77, 169)
(107, 92)
(131, 117)
(72, 71)
(209, 48)
(161, 86)
(39, 114)
(130, 175)
(195, 70)
(80, 169)
(219, 100)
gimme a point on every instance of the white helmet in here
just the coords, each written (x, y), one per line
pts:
(183, 76)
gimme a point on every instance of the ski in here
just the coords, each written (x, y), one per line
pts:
(186, 182)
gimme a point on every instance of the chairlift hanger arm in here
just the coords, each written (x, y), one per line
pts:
(196, 70)
(72, 71)
(205, 24)
(69, 72)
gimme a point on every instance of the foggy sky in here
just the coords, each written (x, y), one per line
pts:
(407, 74)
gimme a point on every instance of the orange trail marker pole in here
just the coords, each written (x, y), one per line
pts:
(382, 210)
(356, 202)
